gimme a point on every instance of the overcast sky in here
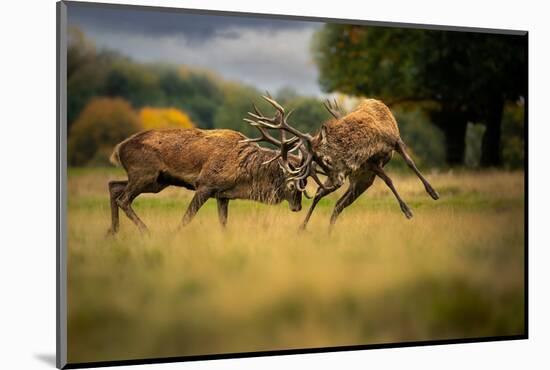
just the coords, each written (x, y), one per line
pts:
(265, 53)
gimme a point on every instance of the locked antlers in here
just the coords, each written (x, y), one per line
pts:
(299, 143)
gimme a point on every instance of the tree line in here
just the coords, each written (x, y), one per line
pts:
(110, 97)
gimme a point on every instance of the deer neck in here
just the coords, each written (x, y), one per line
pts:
(267, 179)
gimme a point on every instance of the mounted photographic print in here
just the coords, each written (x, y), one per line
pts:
(234, 184)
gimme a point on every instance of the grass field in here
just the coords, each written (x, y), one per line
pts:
(455, 270)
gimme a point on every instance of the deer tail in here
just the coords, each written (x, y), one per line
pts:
(115, 156)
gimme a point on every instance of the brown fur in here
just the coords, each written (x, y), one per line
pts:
(368, 132)
(357, 146)
(214, 163)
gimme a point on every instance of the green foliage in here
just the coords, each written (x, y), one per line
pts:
(346, 57)
(308, 113)
(466, 76)
(105, 73)
(424, 141)
(513, 128)
(103, 123)
(80, 51)
(135, 82)
(237, 101)
(457, 68)
(209, 101)
(357, 61)
(194, 92)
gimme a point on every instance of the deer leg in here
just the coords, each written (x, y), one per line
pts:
(321, 192)
(404, 207)
(116, 188)
(200, 197)
(400, 148)
(222, 210)
(354, 191)
(132, 190)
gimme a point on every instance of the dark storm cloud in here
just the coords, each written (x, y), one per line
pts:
(262, 52)
(157, 23)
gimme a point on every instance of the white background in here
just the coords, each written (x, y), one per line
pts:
(27, 182)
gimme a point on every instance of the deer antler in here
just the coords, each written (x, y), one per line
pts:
(333, 108)
(300, 141)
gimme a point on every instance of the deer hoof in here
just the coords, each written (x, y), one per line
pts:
(407, 211)
(110, 233)
(434, 194)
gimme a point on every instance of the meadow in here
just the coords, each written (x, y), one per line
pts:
(456, 270)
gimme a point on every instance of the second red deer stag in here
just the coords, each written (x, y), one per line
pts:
(355, 146)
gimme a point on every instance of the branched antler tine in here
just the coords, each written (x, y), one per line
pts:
(257, 110)
(274, 103)
(295, 147)
(294, 141)
(300, 156)
(333, 108)
(290, 173)
(299, 186)
(265, 136)
(268, 137)
(302, 175)
(301, 142)
(262, 123)
(303, 190)
(272, 159)
(264, 119)
(251, 122)
(255, 140)
(315, 178)
(288, 115)
(327, 107)
(288, 170)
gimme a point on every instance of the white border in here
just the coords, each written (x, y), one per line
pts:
(28, 182)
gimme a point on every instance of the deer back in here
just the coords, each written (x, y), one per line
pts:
(218, 159)
(348, 142)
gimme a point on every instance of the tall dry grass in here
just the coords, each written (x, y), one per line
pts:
(455, 270)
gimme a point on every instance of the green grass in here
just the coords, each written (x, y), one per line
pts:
(455, 270)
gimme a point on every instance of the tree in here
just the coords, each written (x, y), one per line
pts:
(85, 72)
(155, 118)
(103, 123)
(135, 82)
(459, 77)
(80, 50)
(308, 113)
(193, 91)
(237, 102)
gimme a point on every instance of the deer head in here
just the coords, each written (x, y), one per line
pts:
(298, 155)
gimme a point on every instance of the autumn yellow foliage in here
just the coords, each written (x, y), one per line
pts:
(155, 118)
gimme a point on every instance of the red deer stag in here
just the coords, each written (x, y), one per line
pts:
(355, 146)
(220, 164)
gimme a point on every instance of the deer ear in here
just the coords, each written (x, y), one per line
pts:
(323, 134)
